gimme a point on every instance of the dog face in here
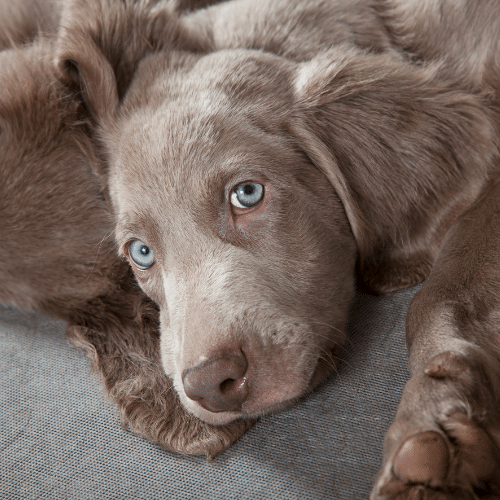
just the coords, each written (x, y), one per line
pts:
(239, 239)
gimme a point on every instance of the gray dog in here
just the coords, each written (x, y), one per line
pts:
(255, 156)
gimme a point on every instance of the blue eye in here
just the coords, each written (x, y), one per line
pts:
(247, 195)
(141, 254)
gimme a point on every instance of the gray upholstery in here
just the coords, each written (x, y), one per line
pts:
(59, 437)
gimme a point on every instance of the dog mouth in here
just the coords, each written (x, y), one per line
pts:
(323, 369)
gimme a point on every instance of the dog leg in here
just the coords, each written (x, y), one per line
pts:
(445, 440)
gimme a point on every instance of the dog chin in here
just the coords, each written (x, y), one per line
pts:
(214, 418)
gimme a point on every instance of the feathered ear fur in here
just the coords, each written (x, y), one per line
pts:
(404, 149)
(89, 71)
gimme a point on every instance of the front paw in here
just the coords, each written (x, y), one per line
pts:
(436, 447)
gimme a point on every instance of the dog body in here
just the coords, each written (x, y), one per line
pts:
(45, 150)
(253, 153)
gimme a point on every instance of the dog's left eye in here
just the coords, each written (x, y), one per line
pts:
(141, 254)
(247, 195)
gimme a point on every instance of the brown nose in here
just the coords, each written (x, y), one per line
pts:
(219, 383)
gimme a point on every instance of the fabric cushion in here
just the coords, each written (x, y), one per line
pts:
(60, 439)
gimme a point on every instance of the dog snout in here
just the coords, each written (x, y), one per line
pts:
(219, 383)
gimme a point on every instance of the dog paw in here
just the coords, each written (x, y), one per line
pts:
(458, 461)
(433, 452)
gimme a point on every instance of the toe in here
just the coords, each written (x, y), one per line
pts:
(478, 454)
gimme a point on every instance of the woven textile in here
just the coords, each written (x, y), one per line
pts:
(59, 437)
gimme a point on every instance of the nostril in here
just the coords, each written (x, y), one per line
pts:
(227, 385)
(219, 383)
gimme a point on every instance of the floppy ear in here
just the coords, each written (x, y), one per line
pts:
(88, 71)
(404, 150)
(101, 42)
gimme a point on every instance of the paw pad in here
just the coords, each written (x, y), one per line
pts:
(423, 458)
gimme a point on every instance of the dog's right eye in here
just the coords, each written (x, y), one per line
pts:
(141, 254)
(247, 195)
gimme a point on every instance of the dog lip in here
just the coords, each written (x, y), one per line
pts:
(214, 409)
(251, 409)
(249, 413)
(271, 408)
(321, 371)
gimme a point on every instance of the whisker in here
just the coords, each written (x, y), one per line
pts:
(170, 389)
(335, 358)
(340, 346)
(344, 334)
(95, 260)
(327, 357)
(329, 326)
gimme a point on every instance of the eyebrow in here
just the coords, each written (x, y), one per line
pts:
(134, 225)
(126, 228)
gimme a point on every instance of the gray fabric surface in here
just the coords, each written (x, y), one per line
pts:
(59, 437)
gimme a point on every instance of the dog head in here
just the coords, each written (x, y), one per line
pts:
(244, 186)
(231, 229)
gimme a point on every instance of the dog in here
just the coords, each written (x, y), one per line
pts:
(255, 156)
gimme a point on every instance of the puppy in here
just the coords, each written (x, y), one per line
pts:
(286, 143)
(58, 250)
